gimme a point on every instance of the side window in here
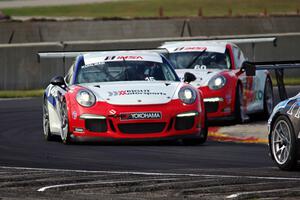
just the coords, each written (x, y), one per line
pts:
(69, 75)
(228, 60)
(238, 57)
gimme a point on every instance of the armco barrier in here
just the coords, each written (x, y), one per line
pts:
(244, 25)
(49, 31)
(84, 30)
(20, 69)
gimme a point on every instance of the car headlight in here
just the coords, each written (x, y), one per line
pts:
(217, 82)
(85, 98)
(187, 95)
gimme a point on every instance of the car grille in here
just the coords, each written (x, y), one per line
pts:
(184, 123)
(211, 107)
(136, 128)
(96, 125)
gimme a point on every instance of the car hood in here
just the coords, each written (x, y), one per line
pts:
(202, 75)
(134, 92)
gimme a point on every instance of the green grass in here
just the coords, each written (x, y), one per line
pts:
(21, 93)
(291, 81)
(149, 8)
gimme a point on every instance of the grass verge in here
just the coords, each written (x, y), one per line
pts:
(20, 93)
(171, 8)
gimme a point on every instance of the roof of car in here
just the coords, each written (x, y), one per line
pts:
(194, 46)
(111, 56)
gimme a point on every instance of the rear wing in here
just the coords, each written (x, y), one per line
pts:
(74, 54)
(251, 40)
(248, 40)
(278, 67)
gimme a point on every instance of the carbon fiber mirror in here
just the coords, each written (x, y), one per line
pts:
(248, 68)
(189, 77)
(58, 80)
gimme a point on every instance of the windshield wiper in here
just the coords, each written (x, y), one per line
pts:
(195, 59)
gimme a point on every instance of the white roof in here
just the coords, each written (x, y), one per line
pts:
(97, 57)
(194, 46)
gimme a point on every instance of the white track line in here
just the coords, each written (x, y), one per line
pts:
(16, 99)
(236, 195)
(156, 173)
(99, 183)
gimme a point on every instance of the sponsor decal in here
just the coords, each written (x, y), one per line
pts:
(140, 115)
(124, 58)
(93, 64)
(190, 49)
(135, 92)
(74, 114)
(259, 95)
(295, 106)
(112, 112)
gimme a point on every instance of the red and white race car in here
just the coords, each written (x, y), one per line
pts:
(122, 95)
(228, 93)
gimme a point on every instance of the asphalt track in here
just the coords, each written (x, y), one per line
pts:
(33, 168)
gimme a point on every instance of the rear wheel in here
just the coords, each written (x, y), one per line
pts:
(46, 122)
(268, 98)
(65, 133)
(283, 144)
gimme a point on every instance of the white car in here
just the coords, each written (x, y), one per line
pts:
(122, 95)
(228, 93)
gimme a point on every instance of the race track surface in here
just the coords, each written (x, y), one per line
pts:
(30, 167)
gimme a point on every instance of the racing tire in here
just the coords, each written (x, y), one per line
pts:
(199, 140)
(65, 133)
(268, 98)
(46, 122)
(238, 110)
(283, 144)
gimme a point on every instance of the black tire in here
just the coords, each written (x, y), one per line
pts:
(199, 140)
(268, 98)
(238, 115)
(66, 139)
(284, 140)
(46, 122)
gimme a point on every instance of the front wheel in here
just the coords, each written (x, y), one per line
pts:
(268, 98)
(196, 141)
(239, 111)
(65, 133)
(283, 144)
(46, 122)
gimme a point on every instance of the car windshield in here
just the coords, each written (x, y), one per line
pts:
(125, 71)
(200, 60)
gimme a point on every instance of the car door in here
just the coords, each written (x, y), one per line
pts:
(252, 85)
(56, 93)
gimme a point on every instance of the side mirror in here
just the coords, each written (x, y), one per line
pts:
(58, 80)
(189, 77)
(248, 68)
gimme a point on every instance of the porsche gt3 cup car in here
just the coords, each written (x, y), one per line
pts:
(228, 93)
(284, 122)
(122, 95)
(284, 129)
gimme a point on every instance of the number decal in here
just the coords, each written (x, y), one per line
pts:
(297, 115)
(290, 111)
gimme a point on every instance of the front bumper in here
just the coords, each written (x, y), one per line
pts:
(104, 122)
(218, 103)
